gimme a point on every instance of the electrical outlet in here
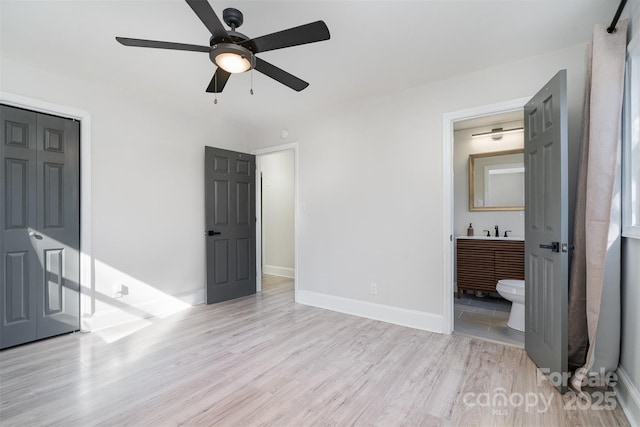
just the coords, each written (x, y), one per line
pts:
(373, 288)
(120, 291)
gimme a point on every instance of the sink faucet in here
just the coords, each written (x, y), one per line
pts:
(488, 233)
(497, 232)
(505, 233)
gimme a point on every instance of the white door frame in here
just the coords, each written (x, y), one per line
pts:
(86, 256)
(259, 153)
(448, 119)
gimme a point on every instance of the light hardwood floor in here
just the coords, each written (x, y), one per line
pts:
(264, 360)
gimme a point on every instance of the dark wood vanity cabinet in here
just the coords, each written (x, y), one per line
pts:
(480, 263)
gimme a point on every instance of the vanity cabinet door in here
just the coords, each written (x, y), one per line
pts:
(475, 269)
(509, 265)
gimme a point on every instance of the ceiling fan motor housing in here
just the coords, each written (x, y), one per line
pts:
(232, 17)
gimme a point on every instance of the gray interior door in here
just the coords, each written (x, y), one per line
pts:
(230, 218)
(39, 270)
(546, 215)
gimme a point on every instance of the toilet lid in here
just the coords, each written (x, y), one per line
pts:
(509, 286)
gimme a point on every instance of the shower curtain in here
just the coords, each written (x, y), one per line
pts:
(593, 290)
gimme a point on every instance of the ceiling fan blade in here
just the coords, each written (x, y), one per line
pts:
(162, 45)
(309, 33)
(280, 75)
(203, 9)
(218, 81)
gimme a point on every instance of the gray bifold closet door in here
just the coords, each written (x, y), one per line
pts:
(40, 217)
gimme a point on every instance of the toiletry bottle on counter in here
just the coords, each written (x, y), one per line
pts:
(470, 230)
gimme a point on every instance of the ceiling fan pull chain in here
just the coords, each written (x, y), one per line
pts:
(251, 90)
(215, 87)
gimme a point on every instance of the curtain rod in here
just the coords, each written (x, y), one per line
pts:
(612, 27)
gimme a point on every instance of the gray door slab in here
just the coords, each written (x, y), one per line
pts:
(230, 221)
(546, 216)
(58, 225)
(19, 269)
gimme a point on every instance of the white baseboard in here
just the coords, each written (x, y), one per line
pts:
(386, 313)
(628, 397)
(159, 307)
(279, 271)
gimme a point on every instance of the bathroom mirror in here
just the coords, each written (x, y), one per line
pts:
(496, 181)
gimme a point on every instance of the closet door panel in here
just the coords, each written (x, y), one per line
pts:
(58, 225)
(19, 269)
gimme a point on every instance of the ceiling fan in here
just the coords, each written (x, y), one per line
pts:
(233, 52)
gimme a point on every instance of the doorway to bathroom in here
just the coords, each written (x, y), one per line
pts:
(488, 225)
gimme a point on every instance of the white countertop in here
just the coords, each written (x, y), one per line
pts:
(520, 238)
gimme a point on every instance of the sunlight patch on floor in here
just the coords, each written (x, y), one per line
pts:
(113, 334)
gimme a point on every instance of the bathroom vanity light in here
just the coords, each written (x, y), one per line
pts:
(497, 132)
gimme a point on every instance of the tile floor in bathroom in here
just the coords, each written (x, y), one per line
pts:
(486, 318)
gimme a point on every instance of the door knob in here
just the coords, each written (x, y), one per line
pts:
(36, 235)
(212, 233)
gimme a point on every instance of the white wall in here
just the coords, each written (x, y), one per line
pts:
(464, 145)
(277, 213)
(370, 186)
(147, 192)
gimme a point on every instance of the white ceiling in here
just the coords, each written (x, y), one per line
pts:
(376, 46)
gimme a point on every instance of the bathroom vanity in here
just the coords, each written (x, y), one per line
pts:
(482, 261)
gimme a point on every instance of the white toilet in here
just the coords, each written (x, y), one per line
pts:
(513, 290)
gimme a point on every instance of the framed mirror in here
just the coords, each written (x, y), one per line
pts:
(496, 181)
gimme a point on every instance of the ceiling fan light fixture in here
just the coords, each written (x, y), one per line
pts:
(232, 62)
(232, 58)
